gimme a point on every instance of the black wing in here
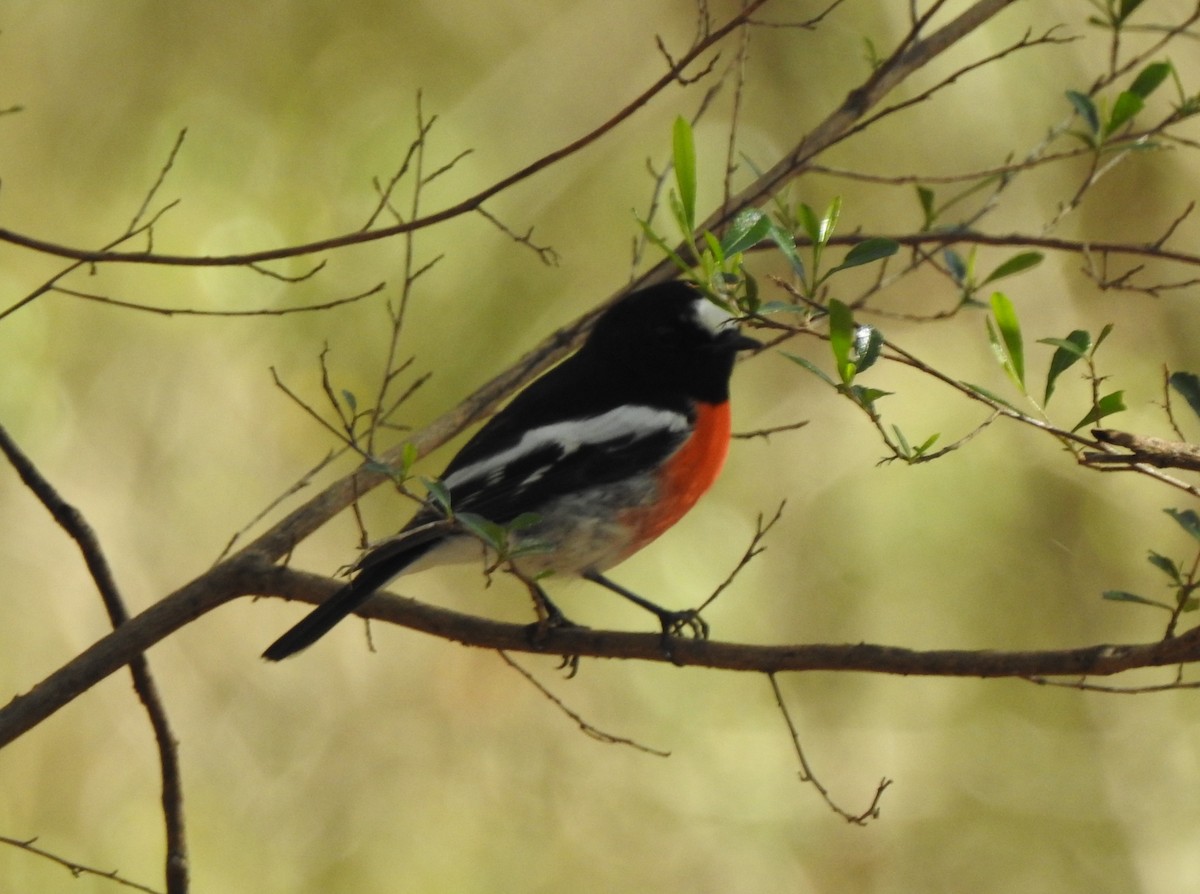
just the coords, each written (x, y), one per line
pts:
(564, 458)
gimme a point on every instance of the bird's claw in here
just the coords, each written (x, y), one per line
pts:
(679, 624)
(539, 630)
(687, 622)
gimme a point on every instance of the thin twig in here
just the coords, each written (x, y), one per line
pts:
(807, 775)
(587, 728)
(173, 154)
(754, 549)
(198, 312)
(546, 253)
(76, 869)
(765, 433)
(300, 484)
(71, 520)
(456, 210)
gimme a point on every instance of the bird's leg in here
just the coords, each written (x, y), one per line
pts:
(550, 616)
(674, 623)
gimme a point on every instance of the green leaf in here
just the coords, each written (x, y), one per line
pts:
(1106, 406)
(677, 211)
(1187, 107)
(439, 493)
(871, 54)
(1165, 565)
(990, 395)
(748, 228)
(927, 443)
(350, 399)
(867, 251)
(1013, 265)
(1127, 9)
(1012, 353)
(714, 247)
(1071, 349)
(787, 244)
(867, 396)
(1127, 105)
(1149, 78)
(779, 307)
(907, 451)
(1126, 596)
(812, 227)
(684, 151)
(1187, 519)
(811, 367)
(867, 347)
(523, 521)
(829, 221)
(661, 244)
(1188, 385)
(1087, 110)
(533, 547)
(956, 265)
(751, 302)
(494, 535)
(1104, 333)
(925, 196)
(1069, 344)
(841, 337)
(408, 456)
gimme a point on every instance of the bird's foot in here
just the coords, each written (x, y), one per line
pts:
(678, 625)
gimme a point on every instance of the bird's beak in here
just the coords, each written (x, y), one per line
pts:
(732, 339)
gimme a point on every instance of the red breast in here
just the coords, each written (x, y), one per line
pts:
(686, 475)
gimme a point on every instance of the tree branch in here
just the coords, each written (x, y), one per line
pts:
(76, 526)
(250, 574)
(468, 205)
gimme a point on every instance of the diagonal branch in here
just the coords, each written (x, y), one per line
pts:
(249, 571)
(468, 205)
(73, 522)
(911, 56)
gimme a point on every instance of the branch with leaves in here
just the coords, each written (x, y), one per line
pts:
(1105, 123)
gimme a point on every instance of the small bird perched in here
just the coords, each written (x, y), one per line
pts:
(602, 454)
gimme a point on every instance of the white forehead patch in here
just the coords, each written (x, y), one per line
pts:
(709, 316)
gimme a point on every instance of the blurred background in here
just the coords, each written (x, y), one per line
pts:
(429, 767)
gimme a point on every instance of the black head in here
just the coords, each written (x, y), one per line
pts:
(670, 336)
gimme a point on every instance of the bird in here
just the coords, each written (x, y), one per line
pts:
(586, 465)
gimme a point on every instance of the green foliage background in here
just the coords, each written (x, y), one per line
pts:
(427, 767)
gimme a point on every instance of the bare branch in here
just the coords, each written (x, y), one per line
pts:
(546, 253)
(72, 521)
(198, 312)
(250, 574)
(587, 728)
(909, 57)
(283, 277)
(457, 210)
(1157, 452)
(805, 25)
(136, 223)
(807, 775)
(76, 869)
(765, 433)
(754, 549)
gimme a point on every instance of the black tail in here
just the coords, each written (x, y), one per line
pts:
(344, 602)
